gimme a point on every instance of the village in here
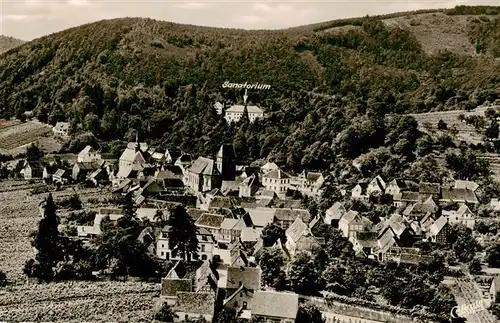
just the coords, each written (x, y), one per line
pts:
(232, 204)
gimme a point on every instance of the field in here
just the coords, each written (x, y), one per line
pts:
(466, 132)
(58, 302)
(15, 136)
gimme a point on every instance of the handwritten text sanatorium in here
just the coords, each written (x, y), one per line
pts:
(245, 85)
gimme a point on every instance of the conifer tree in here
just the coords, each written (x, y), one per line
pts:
(47, 240)
(182, 233)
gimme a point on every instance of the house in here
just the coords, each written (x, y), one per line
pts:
(458, 195)
(61, 130)
(235, 113)
(82, 170)
(99, 177)
(401, 229)
(48, 172)
(401, 200)
(275, 306)
(376, 186)
(207, 277)
(231, 229)
(241, 284)
(134, 154)
(469, 185)
(396, 186)
(360, 192)
(365, 243)
(495, 204)
(284, 217)
(261, 216)
(88, 155)
(268, 167)
(219, 107)
(61, 176)
(249, 236)
(171, 155)
(494, 289)
(461, 216)
(439, 230)
(170, 287)
(212, 223)
(32, 170)
(334, 214)
(418, 210)
(249, 186)
(183, 162)
(88, 231)
(202, 176)
(352, 222)
(205, 243)
(277, 181)
(312, 184)
(250, 277)
(429, 189)
(300, 238)
(192, 306)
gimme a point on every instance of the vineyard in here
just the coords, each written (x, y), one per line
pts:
(79, 301)
(14, 135)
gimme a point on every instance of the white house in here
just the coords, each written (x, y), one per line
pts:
(88, 155)
(277, 181)
(376, 186)
(205, 243)
(61, 129)
(235, 113)
(461, 216)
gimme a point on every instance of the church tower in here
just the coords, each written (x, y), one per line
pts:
(226, 162)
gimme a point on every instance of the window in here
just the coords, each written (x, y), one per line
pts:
(202, 248)
(203, 257)
(162, 245)
(162, 253)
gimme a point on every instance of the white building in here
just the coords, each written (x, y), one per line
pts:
(205, 243)
(277, 181)
(235, 113)
(88, 155)
(61, 129)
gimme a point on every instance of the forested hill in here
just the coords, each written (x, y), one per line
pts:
(7, 43)
(116, 76)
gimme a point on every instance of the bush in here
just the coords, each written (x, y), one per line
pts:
(3, 279)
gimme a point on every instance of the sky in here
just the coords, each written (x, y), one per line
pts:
(30, 19)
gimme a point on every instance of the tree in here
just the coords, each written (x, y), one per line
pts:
(493, 255)
(165, 314)
(47, 241)
(182, 235)
(271, 233)
(3, 279)
(464, 245)
(33, 153)
(309, 313)
(492, 131)
(303, 275)
(442, 125)
(271, 262)
(74, 202)
(475, 267)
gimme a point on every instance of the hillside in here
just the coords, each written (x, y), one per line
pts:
(7, 43)
(114, 77)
